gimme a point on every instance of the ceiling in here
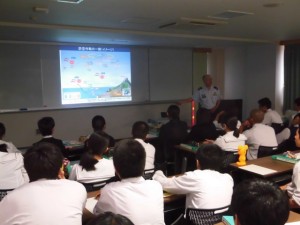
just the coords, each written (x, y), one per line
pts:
(186, 23)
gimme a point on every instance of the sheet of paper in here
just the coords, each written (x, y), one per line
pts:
(258, 169)
(90, 204)
(293, 223)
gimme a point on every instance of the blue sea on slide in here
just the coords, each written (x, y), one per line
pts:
(88, 92)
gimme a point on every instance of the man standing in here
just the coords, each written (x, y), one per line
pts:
(209, 96)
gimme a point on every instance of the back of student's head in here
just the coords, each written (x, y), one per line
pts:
(129, 158)
(203, 116)
(265, 102)
(259, 202)
(210, 156)
(98, 123)
(297, 102)
(43, 160)
(173, 112)
(2, 130)
(140, 129)
(109, 218)
(257, 116)
(46, 125)
(96, 145)
(231, 124)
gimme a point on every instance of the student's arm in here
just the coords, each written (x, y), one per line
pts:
(178, 185)
(216, 106)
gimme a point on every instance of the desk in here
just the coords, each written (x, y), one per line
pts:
(283, 170)
(74, 149)
(293, 217)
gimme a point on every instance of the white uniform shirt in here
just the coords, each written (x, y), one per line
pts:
(259, 134)
(138, 199)
(230, 143)
(293, 188)
(12, 171)
(271, 116)
(10, 147)
(207, 98)
(204, 189)
(104, 170)
(150, 153)
(44, 202)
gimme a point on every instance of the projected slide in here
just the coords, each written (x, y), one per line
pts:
(95, 74)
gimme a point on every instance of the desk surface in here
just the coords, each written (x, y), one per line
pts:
(293, 217)
(267, 162)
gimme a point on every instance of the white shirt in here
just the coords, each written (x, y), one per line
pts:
(12, 171)
(230, 143)
(44, 202)
(104, 170)
(138, 199)
(259, 134)
(293, 188)
(10, 147)
(204, 189)
(271, 116)
(150, 153)
(207, 97)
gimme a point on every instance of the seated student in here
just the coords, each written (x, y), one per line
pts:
(205, 187)
(109, 218)
(13, 173)
(232, 139)
(172, 133)
(92, 166)
(99, 125)
(10, 146)
(270, 116)
(259, 202)
(48, 199)
(204, 128)
(138, 199)
(293, 188)
(46, 127)
(139, 132)
(259, 134)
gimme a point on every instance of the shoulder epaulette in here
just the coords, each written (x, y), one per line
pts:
(199, 88)
(216, 88)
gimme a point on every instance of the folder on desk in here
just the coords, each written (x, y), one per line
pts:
(228, 220)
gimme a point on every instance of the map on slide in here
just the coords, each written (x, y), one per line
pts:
(95, 74)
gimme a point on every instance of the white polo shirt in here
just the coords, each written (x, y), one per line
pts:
(150, 154)
(207, 97)
(271, 116)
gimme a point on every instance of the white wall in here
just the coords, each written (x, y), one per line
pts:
(72, 123)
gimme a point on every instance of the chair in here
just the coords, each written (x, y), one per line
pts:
(95, 186)
(264, 151)
(148, 174)
(205, 216)
(4, 192)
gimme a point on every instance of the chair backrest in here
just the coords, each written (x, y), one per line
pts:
(95, 186)
(264, 151)
(205, 216)
(148, 174)
(4, 192)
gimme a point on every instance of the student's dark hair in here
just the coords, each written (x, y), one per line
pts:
(2, 130)
(98, 123)
(265, 102)
(140, 129)
(231, 123)
(259, 202)
(109, 218)
(96, 145)
(43, 160)
(46, 125)
(297, 101)
(173, 112)
(210, 156)
(129, 158)
(203, 116)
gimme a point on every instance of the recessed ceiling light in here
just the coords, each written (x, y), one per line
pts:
(230, 14)
(70, 1)
(271, 4)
